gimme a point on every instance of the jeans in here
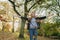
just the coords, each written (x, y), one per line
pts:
(33, 33)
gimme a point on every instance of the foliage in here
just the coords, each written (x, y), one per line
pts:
(50, 29)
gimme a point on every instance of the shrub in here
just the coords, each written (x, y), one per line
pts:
(48, 29)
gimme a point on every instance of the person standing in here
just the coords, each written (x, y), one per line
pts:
(33, 27)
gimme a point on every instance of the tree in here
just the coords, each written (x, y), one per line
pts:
(26, 11)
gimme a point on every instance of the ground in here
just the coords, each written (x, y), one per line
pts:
(13, 36)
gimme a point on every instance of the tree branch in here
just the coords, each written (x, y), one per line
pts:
(33, 5)
(58, 3)
(29, 0)
(55, 10)
(25, 8)
(14, 6)
(11, 2)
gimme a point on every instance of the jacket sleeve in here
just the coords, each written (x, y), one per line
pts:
(41, 18)
(24, 18)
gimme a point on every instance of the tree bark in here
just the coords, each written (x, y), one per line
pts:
(21, 35)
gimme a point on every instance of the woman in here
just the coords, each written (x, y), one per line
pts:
(33, 27)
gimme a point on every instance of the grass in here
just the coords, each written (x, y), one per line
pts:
(14, 36)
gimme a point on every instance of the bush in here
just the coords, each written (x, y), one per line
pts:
(48, 29)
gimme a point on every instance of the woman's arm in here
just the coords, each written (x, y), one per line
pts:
(25, 18)
(40, 18)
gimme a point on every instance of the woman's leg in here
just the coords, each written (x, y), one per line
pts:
(35, 34)
(31, 34)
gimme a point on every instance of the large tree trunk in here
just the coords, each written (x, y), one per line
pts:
(21, 35)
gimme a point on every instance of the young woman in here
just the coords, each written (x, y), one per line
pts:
(33, 25)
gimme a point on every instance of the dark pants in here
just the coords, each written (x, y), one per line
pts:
(33, 33)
